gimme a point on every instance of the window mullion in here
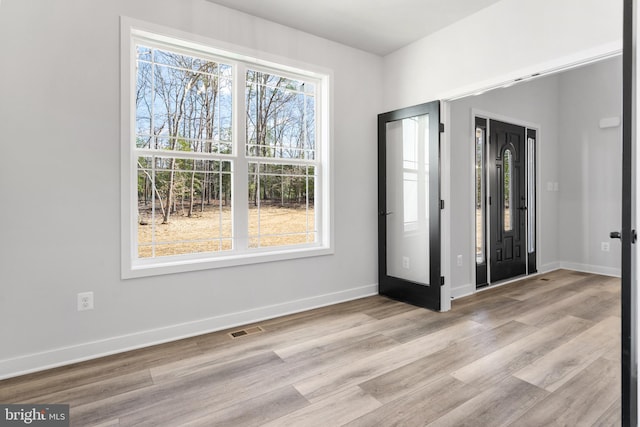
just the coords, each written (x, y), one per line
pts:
(240, 180)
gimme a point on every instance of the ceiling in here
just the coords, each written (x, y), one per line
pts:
(376, 26)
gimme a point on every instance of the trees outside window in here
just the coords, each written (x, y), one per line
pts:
(280, 131)
(203, 118)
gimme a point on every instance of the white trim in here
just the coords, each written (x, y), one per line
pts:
(228, 50)
(77, 353)
(150, 268)
(593, 269)
(564, 63)
(469, 289)
(463, 291)
(126, 154)
(445, 214)
(134, 30)
(472, 200)
(503, 118)
(549, 267)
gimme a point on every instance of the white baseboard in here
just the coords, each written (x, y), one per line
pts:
(549, 267)
(470, 289)
(77, 353)
(463, 291)
(593, 269)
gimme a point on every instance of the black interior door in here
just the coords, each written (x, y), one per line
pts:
(409, 205)
(507, 200)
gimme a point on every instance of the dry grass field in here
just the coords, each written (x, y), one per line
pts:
(211, 230)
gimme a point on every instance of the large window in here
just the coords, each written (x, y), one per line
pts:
(225, 157)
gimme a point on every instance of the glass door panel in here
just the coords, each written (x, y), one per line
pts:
(408, 199)
(480, 200)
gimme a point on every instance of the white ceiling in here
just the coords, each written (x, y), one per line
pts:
(376, 26)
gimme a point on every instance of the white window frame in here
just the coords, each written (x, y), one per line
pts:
(133, 31)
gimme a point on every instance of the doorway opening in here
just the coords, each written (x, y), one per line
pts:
(505, 200)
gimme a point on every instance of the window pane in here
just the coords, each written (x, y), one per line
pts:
(531, 194)
(281, 205)
(184, 206)
(310, 127)
(407, 202)
(507, 182)
(479, 187)
(183, 103)
(223, 114)
(144, 100)
(143, 53)
(280, 114)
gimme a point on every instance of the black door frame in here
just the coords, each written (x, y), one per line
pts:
(393, 287)
(627, 233)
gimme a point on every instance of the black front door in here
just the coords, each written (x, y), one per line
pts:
(409, 205)
(507, 200)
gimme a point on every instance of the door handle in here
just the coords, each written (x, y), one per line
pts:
(618, 235)
(524, 208)
(383, 213)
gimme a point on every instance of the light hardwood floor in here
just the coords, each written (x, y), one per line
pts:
(544, 351)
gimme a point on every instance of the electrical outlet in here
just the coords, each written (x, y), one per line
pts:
(405, 262)
(604, 246)
(459, 261)
(85, 301)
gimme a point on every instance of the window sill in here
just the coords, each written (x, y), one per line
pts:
(157, 267)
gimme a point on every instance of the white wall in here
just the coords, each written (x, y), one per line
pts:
(510, 39)
(590, 177)
(59, 187)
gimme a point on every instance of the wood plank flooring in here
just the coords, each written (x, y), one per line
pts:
(544, 351)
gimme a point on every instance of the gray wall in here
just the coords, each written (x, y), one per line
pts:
(60, 186)
(478, 52)
(573, 220)
(590, 176)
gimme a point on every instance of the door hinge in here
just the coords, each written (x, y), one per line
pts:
(441, 280)
(441, 204)
(441, 127)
